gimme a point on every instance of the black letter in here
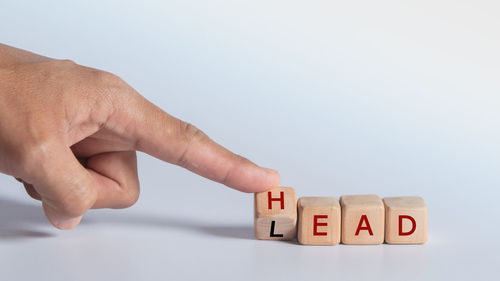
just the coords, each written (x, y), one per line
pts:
(272, 231)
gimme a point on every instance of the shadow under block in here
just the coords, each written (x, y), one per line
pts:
(405, 220)
(276, 214)
(319, 221)
(362, 219)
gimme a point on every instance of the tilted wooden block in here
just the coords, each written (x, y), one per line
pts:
(362, 219)
(319, 221)
(276, 214)
(405, 220)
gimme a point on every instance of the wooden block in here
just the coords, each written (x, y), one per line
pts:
(319, 221)
(362, 219)
(276, 214)
(405, 220)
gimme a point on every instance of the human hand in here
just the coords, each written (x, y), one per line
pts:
(70, 133)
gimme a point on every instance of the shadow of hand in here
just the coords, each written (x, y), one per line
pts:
(20, 220)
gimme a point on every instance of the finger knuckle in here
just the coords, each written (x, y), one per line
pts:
(130, 191)
(109, 87)
(192, 133)
(109, 84)
(107, 78)
(57, 66)
(130, 197)
(65, 62)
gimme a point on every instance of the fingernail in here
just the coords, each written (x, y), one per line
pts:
(65, 224)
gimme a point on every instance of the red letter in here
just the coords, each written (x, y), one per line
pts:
(316, 224)
(413, 225)
(270, 200)
(361, 227)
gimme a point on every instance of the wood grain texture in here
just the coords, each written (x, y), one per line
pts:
(405, 220)
(362, 219)
(319, 221)
(275, 219)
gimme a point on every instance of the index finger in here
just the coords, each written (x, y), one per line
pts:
(163, 136)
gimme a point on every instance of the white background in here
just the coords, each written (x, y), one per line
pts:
(342, 97)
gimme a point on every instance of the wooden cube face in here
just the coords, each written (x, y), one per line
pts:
(319, 221)
(276, 214)
(405, 220)
(362, 219)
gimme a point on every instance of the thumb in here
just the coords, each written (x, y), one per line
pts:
(66, 188)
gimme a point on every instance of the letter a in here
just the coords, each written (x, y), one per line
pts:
(361, 227)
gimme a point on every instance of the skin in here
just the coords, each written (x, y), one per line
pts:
(70, 134)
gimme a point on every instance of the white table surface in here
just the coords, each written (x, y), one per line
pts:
(342, 97)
